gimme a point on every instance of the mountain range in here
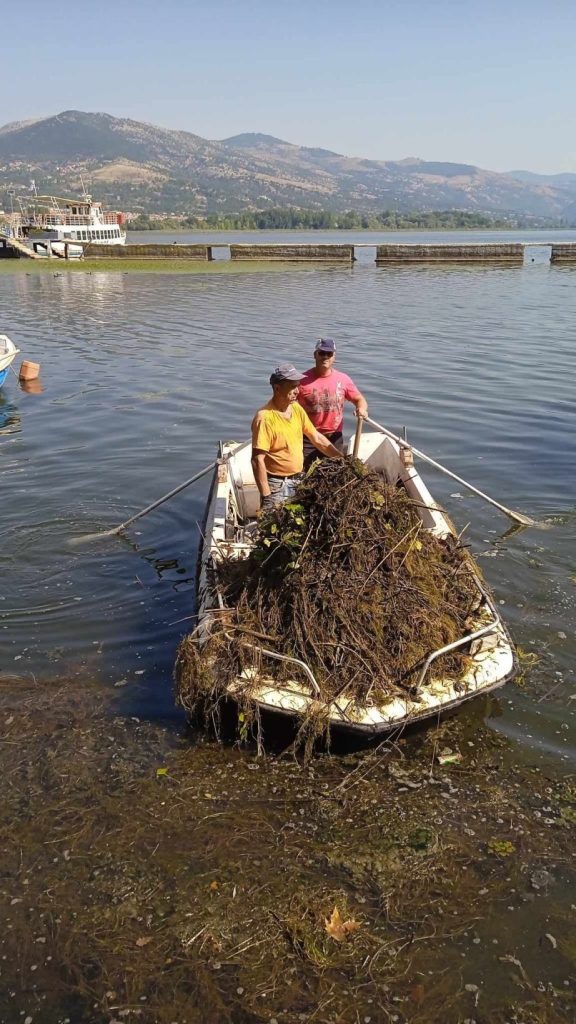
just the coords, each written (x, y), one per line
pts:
(138, 167)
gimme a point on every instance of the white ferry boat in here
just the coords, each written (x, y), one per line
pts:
(51, 224)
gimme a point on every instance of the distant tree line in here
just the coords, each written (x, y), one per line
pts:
(292, 218)
(351, 220)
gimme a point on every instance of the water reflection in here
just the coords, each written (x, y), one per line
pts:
(10, 420)
(31, 387)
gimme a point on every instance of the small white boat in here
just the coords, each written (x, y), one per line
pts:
(230, 528)
(8, 353)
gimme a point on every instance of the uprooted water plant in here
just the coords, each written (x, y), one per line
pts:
(345, 578)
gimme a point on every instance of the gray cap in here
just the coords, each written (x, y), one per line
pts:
(285, 372)
(325, 345)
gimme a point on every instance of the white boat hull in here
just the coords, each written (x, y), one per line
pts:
(493, 659)
(8, 353)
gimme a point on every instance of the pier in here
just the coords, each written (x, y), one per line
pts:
(297, 253)
(170, 251)
(499, 253)
(565, 254)
(388, 254)
(13, 248)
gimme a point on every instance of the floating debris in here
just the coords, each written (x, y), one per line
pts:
(449, 757)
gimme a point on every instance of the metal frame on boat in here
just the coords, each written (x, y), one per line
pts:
(230, 527)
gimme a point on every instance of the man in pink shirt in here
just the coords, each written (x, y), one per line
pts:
(323, 391)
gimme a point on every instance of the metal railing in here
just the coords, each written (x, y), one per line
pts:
(490, 628)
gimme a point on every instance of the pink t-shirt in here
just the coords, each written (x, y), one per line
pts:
(323, 398)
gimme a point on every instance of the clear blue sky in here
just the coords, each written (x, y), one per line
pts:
(489, 83)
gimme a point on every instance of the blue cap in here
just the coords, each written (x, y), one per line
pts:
(285, 372)
(325, 345)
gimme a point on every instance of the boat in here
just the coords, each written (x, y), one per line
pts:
(52, 225)
(229, 531)
(8, 353)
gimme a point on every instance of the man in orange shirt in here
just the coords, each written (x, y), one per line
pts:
(278, 431)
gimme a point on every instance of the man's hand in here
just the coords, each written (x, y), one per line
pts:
(266, 502)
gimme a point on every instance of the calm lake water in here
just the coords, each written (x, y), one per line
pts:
(142, 375)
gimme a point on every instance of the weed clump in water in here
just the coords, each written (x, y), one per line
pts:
(345, 578)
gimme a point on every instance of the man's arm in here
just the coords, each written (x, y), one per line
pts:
(326, 446)
(354, 395)
(259, 470)
(361, 406)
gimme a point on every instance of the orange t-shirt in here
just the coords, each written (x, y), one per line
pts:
(281, 439)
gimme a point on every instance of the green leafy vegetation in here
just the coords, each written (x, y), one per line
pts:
(292, 219)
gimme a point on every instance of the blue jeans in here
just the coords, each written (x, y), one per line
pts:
(281, 489)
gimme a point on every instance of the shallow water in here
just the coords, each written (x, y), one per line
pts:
(143, 374)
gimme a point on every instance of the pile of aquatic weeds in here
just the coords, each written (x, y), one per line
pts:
(345, 578)
(146, 879)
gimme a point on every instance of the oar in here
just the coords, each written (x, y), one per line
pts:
(518, 517)
(160, 501)
(359, 425)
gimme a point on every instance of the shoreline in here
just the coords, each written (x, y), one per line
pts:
(362, 231)
(215, 878)
(58, 267)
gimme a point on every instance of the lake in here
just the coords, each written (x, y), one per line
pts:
(142, 374)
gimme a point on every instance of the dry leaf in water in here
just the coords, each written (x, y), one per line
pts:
(143, 940)
(338, 928)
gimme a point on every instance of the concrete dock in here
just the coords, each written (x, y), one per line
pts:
(499, 253)
(169, 251)
(13, 248)
(504, 254)
(297, 253)
(565, 254)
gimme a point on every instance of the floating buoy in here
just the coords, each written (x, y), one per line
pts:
(28, 370)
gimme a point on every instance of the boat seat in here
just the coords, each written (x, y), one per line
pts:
(244, 485)
(380, 453)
